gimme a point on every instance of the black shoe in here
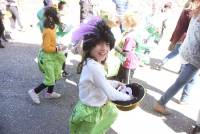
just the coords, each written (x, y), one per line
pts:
(196, 130)
(1, 46)
(65, 74)
(7, 35)
(4, 38)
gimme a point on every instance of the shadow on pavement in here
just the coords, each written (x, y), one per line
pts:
(177, 121)
(149, 87)
(18, 115)
(171, 71)
(17, 112)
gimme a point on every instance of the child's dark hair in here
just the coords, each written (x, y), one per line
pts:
(100, 33)
(60, 4)
(51, 18)
(45, 3)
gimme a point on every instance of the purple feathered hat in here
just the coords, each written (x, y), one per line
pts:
(93, 31)
(85, 28)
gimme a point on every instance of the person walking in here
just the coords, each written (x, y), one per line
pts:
(179, 33)
(13, 8)
(190, 55)
(1, 29)
(50, 59)
(121, 8)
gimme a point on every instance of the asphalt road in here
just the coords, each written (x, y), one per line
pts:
(19, 73)
(19, 115)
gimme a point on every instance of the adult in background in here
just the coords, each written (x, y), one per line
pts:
(1, 29)
(3, 4)
(190, 54)
(177, 38)
(121, 7)
(13, 8)
(180, 30)
(88, 8)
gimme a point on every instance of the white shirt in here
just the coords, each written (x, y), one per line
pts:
(95, 89)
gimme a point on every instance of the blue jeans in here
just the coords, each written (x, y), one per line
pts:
(188, 87)
(173, 53)
(185, 77)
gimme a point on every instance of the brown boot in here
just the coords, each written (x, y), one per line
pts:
(161, 109)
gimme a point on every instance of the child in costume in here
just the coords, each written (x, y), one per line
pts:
(126, 48)
(50, 59)
(40, 14)
(94, 113)
(109, 15)
(63, 30)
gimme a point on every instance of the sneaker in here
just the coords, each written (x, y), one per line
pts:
(52, 95)
(34, 96)
(1, 46)
(161, 109)
(7, 35)
(65, 74)
(4, 38)
(160, 64)
(21, 29)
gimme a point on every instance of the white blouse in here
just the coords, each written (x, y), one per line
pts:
(95, 89)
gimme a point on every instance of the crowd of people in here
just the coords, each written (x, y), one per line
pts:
(111, 46)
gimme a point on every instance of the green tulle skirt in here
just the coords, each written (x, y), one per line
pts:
(92, 120)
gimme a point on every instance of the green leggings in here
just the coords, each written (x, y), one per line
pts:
(50, 65)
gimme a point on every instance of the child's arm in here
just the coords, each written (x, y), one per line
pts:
(119, 50)
(102, 83)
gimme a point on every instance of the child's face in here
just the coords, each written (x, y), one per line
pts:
(100, 51)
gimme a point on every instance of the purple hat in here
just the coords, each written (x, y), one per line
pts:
(85, 28)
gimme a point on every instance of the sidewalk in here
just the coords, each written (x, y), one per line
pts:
(144, 120)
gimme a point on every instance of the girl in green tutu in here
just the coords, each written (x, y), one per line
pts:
(94, 113)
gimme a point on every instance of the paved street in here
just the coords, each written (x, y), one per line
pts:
(18, 114)
(19, 73)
